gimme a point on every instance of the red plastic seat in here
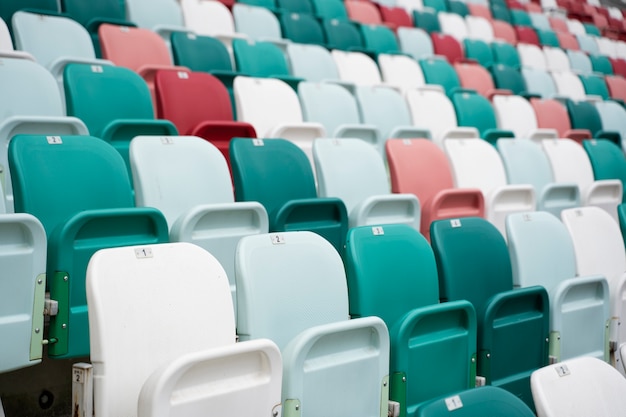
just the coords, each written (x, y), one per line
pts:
(363, 12)
(553, 115)
(558, 24)
(617, 86)
(475, 77)
(395, 17)
(527, 34)
(619, 66)
(504, 31)
(199, 105)
(418, 166)
(568, 41)
(480, 10)
(447, 46)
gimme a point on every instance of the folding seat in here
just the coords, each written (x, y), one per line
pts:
(6, 45)
(612, 116)
(532, 56)
(540, 21)
(200, 352)
(401, 72)
(607, 160)
(342, 34)
(475, 110)
(617, 87)
(513, 324)
(311, 62)
(410, 5)
(420, 167)
(90, 178)
(569, 85)
(438, 71)
(115, 104)
(594, 85)
(518, 156)
(539, 83)
(386, 109)
(520, 18)
(475, 77)
(571, 164)
(332, 366)
(302, 28)
(54, 41)
(273, 109)
(556, 59)
(619, 66)
(607, 47)
(601, 64)
(458, 7)
(437, 5)
(579, 62)
(356, 68)
(286, 190)
(426, 20)
(508, 78)
(447, 46)
(480, 51)
(22, 289)
(558, 23)
(163, 16)
(454, 25)
(516, 114)
(568, 41)
(526, 35)
(203, 211)
(476, 164)
(262, 59)
(395, 16)
(551, 114)
(35, 107)
(588, 44)
(415, 42)
(363, 12)
(506, 54)
(433, 345)
(501, 12)
(592, 30)
(548, 38)
(258, 23)
(330, 9)
(9, 7)
(585, 115)
(431, 109)
(335, 108)
(578, 387)
(503, 31)
(379, 39)
(351, 170)
(479, 28)
(575, 27)
(295, 6)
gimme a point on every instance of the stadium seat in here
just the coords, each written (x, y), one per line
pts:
(311, 62)
(295, 6)
(363, 12)
(438, 71)
(504, 32)
(454, 25)
(342, 34)
(542, 253)
(474, 76)
(302, 28)
(91, 180)
(551, 114)
(516, 114)
(333, 365)
(474, 110)
(420, 167)
(607, 160)
(513, 324)
(506, 54)
(447, 46)
(262, 59)
(352, 171)
(509, 78)
(480, 51)
(556, 59)
(433, 345)
(612, 115)
(356, 68)
(401, 72)
(426, 19)
(330, 9)
(479, 28)
(286, 190)
(9, 7)
(532, 56)
(379, 39)
(617, 87)
(257, 23)
(539, 83)
(415, 42)
(162, 16)
(595, 85)
(210, 18)
(585, 115)
(579, 62)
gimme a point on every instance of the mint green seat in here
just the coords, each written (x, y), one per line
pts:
(613, 117)
(506, 54)
(548, 38)
(262, 59)
(79, 188)
(22, 291)
(478, 402)
(474, 110)
(427, 20)
(520, 18)
(595, 85)
(607, 160)
(114, 103)
(278, 174)
(438, 71)
(480, 51)
(392, 274)
(379, 39)
(542, 253)
(342, 34)
(302, 28)
(437, 5)
(292, 289)
(330, 9)
(513, 324)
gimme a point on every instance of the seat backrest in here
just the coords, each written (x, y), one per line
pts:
(503, 31)
(540, 21)
(539, 82)
(207, 17)
(89, 13)
(532, 56)
(556, 59)
(474, 110)
(379, 39)
(116, 280)
(265, 102)
(9, 7)
(518, 156)
(607, 159)
(427, 20)
(480, 51)
(329, 104)
(584, 115)
(475, 77)
(49, 37)
(349, 169)
(454, 25)
(616, 86)
(509, 78)
(447, 46)
(295, 6)
(384, 108)
(594, 85)
(475, 164)
(579, 61)
(302, 28)
(356, 67)
(568, 41)
(311, 62)
(330, 9)
(154, 14)
(256, 22)
(401, 71)
(588, 44)
(479, 28)
(551, 114)
(516, 114)
(612, 116)
(569, 162)
(548, 38)
(342, 34)
(415, 41)
(200, 53)
(569, 85)
(259, 59)
(363, 12)
(505, 53)
(432, 110)
(601, 64)
(438, 71)
(23, 260)
(595, 385)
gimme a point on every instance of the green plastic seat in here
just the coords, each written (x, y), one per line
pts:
(595, 85)
(480, 51)
(432, 345)
(79, 188)
(513, 324)
(501, 12)
(520, 18)
(330, 9)
(607, 160)
(295, 6)
(439, 71)
(508, 78)
(548, 38)
(478, 402)
(266, 4)
(302, 28)
(262, 59)
(474, 110)
(592, 29)
(505, 53)
(458, 7)
(342, 34)
(585, 115)
(437, 5)
(115, 104)
(427, 20)
(601, 64)
(379, 39)
(285, 189)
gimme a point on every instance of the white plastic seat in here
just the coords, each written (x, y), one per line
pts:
(432, 110)
(333, 366)
(578, 388)
(188, 180)
(515, 113)
(542, 253)
(184, 325)
(569, 85)
(454, 25)
(579, 62)
(415, 42)
(613, 117)
(210, 18)
(556, 59)
(575, 27)
(353, 172)
(273, 108)
(356, 68)
(6, 45)
(479, 28)
(161, 16)
(607, 46)
(401, 72)
(35, 107)
(311, 62)
(23, 246)
(476, 164)
(257, 23)
(571, 164)
(532, 56)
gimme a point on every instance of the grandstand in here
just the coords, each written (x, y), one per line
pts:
(312, 208)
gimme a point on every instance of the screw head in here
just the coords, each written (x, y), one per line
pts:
(385, 384)
(297, 407)
(40, 281)
(37, 330)
(64, 326)
(403, 379)
(66, 278)
(488, 355)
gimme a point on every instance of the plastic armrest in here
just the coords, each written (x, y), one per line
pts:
(528, 95)
(148, 72)
(386, 209)
(613, 136)
(492, 135)
(498, 92)
(509, 199)
(408, 132)
(165, 31)
(538, 135)
(368, 133)
(452, 203)
(604, 193)
(461, 133)
(93, 25)
(326, 216)
(618, 311)
(578, 135)
(302, 134)
(210, 129)
(555, 197)
(17, 55)
(57, 66)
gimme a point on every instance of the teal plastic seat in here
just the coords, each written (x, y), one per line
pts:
(295, 6)
(491, 401)
(266, 4)
(601, 64)
(506, 54)
(342, 34)
(592, 29)
(458, 7)
(262, 59)
(480, 51)
(518, 156)
(379, 39)
(508, 78)
(286, 190)
(585, 115)
(501, 12)
(302, 28)
(427, 20)
(22, 290)
(311, 62)
(331, 363)
(436, 5)
(607, 160)
(96, 210)
(114, 103)
(433, 345)
(595, 85)
(542, 253)
(474, 110)
(520, 18)
(36, 107)
(330, 9)
(548, 38)
(439, 71)
(513, 324)
(257, 22)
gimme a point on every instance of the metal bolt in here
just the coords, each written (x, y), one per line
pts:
(403, 379)
(473, 360)
(65, 278)
(385, 384)
(547, 340)
(40, 281)
(64, 326)
(297, 407)
(37, 330)
(275, 413)
(488, 355)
